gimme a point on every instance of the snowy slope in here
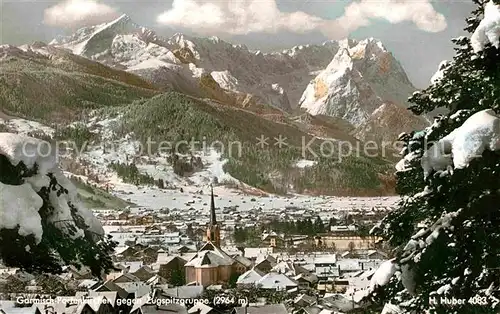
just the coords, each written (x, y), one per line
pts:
(96, 158)
(96, 39)
(387, 122)
(359, 79)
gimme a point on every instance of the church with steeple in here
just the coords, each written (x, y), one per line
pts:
(211, 265)
(213, 230)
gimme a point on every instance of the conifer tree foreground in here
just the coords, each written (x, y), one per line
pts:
(42, 225)
(446, 230)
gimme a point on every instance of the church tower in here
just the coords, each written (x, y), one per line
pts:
(213, 231)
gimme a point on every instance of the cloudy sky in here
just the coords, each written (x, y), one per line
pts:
(418, 32)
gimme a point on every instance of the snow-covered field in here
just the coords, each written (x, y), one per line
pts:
(226, 197)
(23, 126)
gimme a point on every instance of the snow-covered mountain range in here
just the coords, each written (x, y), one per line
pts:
(347, 79)
(349, 91)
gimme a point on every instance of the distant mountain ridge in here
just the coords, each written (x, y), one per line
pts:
(346, 79)
(185, 59)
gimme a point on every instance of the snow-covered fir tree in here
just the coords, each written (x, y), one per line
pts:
(43, 227)
(446, 230)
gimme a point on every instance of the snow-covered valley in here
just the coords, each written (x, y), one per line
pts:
(182, 192)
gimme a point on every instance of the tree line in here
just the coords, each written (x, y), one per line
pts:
(306, 226)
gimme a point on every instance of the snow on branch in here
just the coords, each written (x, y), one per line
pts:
(383, 275)
(488, 31)
(438, 76)
(479, 132)
(30, 151)
(19, 205)
(34, 163)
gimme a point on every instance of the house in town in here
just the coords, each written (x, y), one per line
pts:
(250, 277)
(265, 263)
(173, 270)
(272, 239)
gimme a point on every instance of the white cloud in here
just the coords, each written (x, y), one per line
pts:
(238, 17)
(421, 13)
(235, 17)
(77, 13)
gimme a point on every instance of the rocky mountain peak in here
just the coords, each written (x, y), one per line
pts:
(357, 81)
(341, 60)
(367, 49)
(347, 43)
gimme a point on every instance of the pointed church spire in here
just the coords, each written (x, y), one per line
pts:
(213, 230)
(213, 220)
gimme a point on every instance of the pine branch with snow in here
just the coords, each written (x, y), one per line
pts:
(446, 230)
(42, 225)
